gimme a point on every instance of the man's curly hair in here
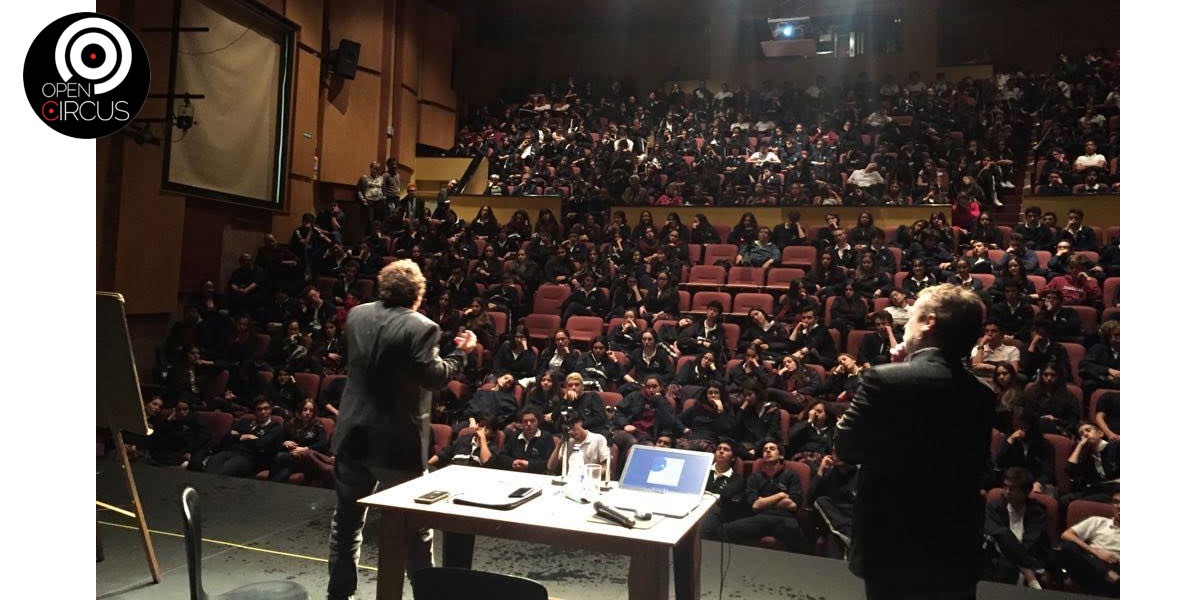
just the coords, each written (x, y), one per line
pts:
(401, 284)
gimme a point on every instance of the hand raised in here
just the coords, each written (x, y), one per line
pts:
(466, 341)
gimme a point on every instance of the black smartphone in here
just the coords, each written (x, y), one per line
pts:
(431, 497)
(520, 492)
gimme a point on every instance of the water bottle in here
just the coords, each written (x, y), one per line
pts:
(576, 474)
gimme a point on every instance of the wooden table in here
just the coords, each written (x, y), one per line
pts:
(548, 519)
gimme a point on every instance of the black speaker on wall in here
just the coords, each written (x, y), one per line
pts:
(345, 59)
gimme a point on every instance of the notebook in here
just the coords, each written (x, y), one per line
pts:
(665, 481)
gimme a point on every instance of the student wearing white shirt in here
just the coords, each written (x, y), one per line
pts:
(991, 352)
(1092, 552)
(761, 157)
(593, 445)
(1090, 159)
(899, 308)
(867, 177)
(723, 94)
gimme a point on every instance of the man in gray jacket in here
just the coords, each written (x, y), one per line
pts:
(392, 365)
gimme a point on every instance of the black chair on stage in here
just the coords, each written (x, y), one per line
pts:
(267, 590)
(444, 583)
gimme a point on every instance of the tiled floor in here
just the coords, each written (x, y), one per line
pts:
(292, 522)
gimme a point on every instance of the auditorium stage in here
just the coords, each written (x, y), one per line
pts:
(258, 531)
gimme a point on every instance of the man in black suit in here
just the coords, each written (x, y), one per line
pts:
(928, 544)
(392, 365)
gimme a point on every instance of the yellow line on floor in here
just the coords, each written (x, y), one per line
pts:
(239, 546)
(116, 509)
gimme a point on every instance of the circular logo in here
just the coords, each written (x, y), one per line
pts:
(87, 75)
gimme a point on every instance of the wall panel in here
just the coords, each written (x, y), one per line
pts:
(150, 235)
(410, 43)
(308, 14)
(437, 126)
(300, 201)
(360, 21)
(437, 53)
(304, 120)
(406, 129)
(351, 128)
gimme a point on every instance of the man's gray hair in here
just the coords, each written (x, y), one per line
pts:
(958, 317)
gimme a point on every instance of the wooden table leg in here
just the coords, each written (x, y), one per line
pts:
(648, 573)
(147, 545)
(393, 554)
(687, 566)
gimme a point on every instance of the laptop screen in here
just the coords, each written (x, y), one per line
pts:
(666, 470)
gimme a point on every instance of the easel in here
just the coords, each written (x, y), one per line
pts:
(119, 400)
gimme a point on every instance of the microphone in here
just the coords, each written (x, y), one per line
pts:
(612, 514)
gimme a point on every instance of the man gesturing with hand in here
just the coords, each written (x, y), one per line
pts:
(392, 366)
(928, 544)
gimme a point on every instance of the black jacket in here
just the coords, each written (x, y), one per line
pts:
(521, 365)
(1085, 478)
(392, 365)
(666, 301)
(603, 370)
(659, 364)
(761, 485)
(631, 406)
(1017, 322)
(594, 302)
(312, 438)
(1067, 325)
(261, 450)
(731, 492)
(1093, 370)
(497, 403)
(1039, 462)
(706, 423)
(754, 429)
(934, 535)
(537, 451)
(1034, 545)
(806, 438)
(568, 362)
(694, 340)
(874, 349)
(822, 350)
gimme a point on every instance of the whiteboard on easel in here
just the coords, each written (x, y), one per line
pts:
(118, 395)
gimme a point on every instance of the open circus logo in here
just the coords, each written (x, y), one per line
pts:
(86, 75)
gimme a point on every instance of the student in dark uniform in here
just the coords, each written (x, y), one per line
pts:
(529, 449)
(249, 446)
(774, 495)
(725, 482)
(305, 447)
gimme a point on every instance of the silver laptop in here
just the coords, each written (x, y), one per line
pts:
(665, 481)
